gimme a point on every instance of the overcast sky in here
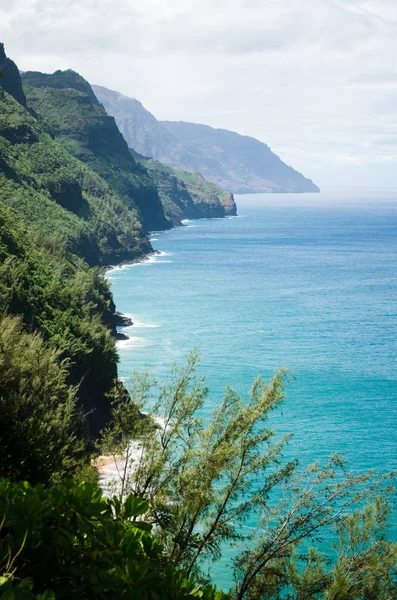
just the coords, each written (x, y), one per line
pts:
(314, 79)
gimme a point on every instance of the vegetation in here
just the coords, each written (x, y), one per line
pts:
(57, 218)
(187, 488)
(40, 434)
(50, 188)
(70, 305)
(226, 482)
(68, 541)
(71, 113)
(201, 484)
(188, 195)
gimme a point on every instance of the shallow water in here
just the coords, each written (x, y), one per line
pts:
(309, 282)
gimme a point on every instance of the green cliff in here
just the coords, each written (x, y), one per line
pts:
(74, 199)
(58, 217)
(10, 80)
(71, 113)
(188, 195)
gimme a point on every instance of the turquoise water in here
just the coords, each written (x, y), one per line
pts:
(308, 282)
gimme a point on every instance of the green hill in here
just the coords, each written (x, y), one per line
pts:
(188, 195)
(70, 111)
(58, 217)
(72, 199)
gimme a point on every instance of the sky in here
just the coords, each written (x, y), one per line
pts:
(314, 79)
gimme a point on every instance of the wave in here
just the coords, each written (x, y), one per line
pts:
(132, 342)
(122, 267)
(137, 323)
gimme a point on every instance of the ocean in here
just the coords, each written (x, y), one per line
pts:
(303, 281)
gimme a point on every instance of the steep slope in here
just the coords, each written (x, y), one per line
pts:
(234, 162)
(246, 164)
(60, 194)
(71, 112)
(183, 196)
(139, 127)
(56, 214)
(70, 305)
(188, 195)
(10, 80)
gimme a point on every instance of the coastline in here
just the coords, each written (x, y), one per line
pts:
(121, 320)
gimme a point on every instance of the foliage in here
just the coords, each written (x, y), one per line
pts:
(188, 195)
(207, 482)
(40, 430)
(68, 541)
(70, 305)
(58, 193)
(70, 111)
(56, 215)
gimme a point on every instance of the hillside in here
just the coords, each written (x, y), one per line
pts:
(57, 217)
(73, 198)
(71, 112)
(188, 195)
(246, 164)
(234, 162)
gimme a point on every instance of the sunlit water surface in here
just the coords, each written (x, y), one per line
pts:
(304, 281)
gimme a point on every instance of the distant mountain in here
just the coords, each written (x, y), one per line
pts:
(238, 163)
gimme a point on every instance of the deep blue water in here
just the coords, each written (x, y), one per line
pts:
(308, 282)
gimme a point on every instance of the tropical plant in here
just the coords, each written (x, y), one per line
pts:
(207, 481)
(68, 541)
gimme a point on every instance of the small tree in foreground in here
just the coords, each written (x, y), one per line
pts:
(205, 480)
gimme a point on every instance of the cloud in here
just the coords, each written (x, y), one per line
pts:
(315, 79)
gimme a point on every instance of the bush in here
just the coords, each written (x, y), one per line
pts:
(68, 541)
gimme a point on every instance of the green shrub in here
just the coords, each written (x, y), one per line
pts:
(68, 541)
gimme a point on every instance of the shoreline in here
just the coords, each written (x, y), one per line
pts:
(132, 261)
(120, 319)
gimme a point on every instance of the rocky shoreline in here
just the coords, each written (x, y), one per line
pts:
(119, 319)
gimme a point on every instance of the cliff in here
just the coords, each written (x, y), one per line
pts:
(188, 195)
(58, 217)
(70, 111)
(244, 164)
(10, 80)
(233, 162)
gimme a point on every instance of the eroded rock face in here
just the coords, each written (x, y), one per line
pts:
(229, 204)
(10, 79)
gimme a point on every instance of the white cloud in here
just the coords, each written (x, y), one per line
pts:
(315, 79)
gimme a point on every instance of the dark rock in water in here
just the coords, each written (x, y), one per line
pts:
(122, 320)
(121, 336)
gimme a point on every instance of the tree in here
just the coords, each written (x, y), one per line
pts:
(41, 435)
(204, 481)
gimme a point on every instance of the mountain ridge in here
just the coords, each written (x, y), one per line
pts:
(234, 162)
